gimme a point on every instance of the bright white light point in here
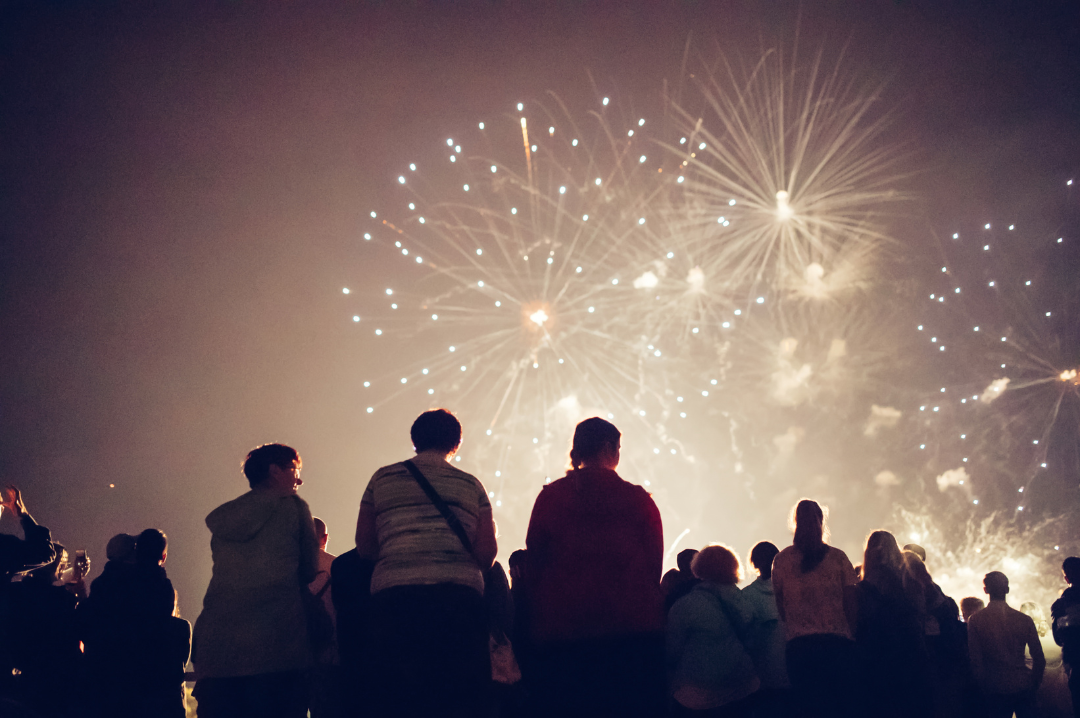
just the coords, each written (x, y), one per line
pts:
(498, 304)
(435, 317)
(513, 210)
(1069, 183)
(1044, 466)
(419, 260)
(401, 179)
(480, 283)
(597, 182)
(373, 215)
(462, 367)
(957, 290)
(367, 236)
(976, 329)
(560, 361)
(574, 143)
(682, 414)
(630, 133)
(642, 413)
(656, 353)
(641, 159)
(478, 253)
(943, 269)
(704, 393)
(520, 106)
(920, 327)
(533, 148)
(761, 300)
(936, 408)
(584, 218)
(987, 226)
(738, 312)
(694, 330)
(1011, 226)
(942, 390)
(578, 270)
(393, 306)
(539, 317)
(453, 158)
(551, 130)
(725, 325)
(1059, 240)
(404, 380)
(370, 409)
(412, 167)
(640, 122)
(731, 203)
(922, 446)
(641, 221)
(605, 102)
(681, 180)
(481, 125)
(453, 349)
(424, 371)
(933, 296)
(991, 284)
(614, 281)
(367, 384)
(562, 190)
(713, 382)
(345, 290)
(411, 206)
(941, 348)
(1027, 283)
(494, 169)
(389, 291)
(536, 440)
(956, 236)
(356, 318)
(465, 187)
(922, 408)
(550, 260)
(405, 252)
(1035, 442)
(655, 451)
(1003, 339)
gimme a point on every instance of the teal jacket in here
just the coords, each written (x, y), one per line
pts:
(707, 633)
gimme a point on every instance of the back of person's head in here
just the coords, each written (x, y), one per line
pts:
(260, 459)
(761, 557)
(915, 572)
(882, 555)
(518, 558)
(591, 438)
(320, 529)
(151, 547)
(811, 532)
(1070, 567)
(1038, 616)
(970, 606)
(437, 430)
(121, 548)
(717, 564)
(996, 585)
(917, 550)
(685, 559)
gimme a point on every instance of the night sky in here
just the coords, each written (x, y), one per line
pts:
(182, 187)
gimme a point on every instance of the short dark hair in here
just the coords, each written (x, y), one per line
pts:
(261, 458)
(590, 438)
(150, 546)
(1071, 568)
(684, 558)
(518, 558)
(436, 429)
(761, 557)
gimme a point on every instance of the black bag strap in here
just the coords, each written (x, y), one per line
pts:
(444, 509)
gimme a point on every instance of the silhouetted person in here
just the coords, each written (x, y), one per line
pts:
(595, 553)
(917, 550)
(893, 658)
(1065, 614)
(997, 636)
(970, 606)
(767, 643)
(251, 648)
(678, 582)
(815, 592)
(521, 635)
(324, 698)
(943, 632)
(350, 588)
(429, 652)
(35, 549)
(708, 629)
(40, 636)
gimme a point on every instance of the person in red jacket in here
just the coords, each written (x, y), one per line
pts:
(595, 552)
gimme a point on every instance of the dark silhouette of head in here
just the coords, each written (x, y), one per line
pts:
(260, 459)
(321, 534)
(717, 564)
(761, 557)
(436, 430)
(1070, 568)
(996, 585)
(517, 562)
(882, 558)
(151, 548)
(685, 558)
(970, 606)
(917, 550)
(810, 533)
(592, 439)
(121, 547)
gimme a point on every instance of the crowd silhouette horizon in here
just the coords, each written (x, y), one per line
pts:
(420, 620)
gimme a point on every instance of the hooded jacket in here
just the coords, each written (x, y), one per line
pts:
(253, 620)
(595, 553)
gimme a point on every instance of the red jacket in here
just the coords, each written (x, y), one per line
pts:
(595, 552)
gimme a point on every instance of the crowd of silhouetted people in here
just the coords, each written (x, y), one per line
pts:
(420, 620)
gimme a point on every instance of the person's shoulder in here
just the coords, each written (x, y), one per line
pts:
(836, 554)
(786, 556)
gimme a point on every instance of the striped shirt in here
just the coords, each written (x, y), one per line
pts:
(416, 544)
